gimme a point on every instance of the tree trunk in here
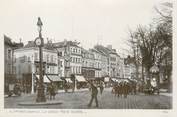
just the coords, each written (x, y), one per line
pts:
(142, 72)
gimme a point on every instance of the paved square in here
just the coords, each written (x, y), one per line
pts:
(80, 100)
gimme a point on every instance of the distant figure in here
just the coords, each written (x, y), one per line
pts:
(94, 94)
(121, 89)
(51, 90)
(17, 89)
(114, 89)
(101, 88)
(125, 89)
(65, 86)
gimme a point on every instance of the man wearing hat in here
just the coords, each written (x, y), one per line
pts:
(94, 93)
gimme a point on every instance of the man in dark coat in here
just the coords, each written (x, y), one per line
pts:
(94, 94)
(125, 89)
(101, 88)
(51, 90)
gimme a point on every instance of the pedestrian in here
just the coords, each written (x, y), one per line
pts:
(52, 92)
(65, 86)
(101, 88)
(125, 85)
(94, 93)
(120, 89)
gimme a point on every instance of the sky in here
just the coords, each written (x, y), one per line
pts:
(90, 22)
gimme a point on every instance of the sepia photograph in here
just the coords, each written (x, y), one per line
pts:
(87, 54)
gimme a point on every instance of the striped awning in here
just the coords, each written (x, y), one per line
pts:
(68, 80)
(45, 78)
(54, 78)
(80, 78)
(106, 79)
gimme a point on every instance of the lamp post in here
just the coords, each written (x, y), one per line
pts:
(155, 72)
(40, 43)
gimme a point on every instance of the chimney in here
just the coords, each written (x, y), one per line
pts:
(109, 47)
(47, 40)
(65, 41)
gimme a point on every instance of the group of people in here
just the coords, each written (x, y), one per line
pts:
(51, 91)
(124, 88)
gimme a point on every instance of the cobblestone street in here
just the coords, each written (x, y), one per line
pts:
(80, 100)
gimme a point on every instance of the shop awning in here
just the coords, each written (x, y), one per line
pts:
(68, 80)
(114, 79)
(45, 79)
(54, 78)
(80, 78)
(106, 79)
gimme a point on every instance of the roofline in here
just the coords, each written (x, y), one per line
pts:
(34, 48)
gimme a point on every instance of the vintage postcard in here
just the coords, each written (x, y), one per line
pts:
(87, 57)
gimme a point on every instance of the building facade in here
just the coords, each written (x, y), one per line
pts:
(97, 63)
(111, 58)
(88, 61)
(27, 65)
(9, 69)
(70, 57)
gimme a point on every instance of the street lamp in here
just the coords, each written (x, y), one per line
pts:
(155, 72)
(40, 43)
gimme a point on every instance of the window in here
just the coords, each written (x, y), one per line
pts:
(76, 70)
(36, 56)
(9, 54)
(78, 61)
(15, 59)
(52, 70)
(19, 69)
(71, 59)
(52, 60)
(29, 59)
(59, 53)
(22, 59)
(86, 63)
(113, 59)
(14, 70)
(47, 57)
(74, 59)
(61, 63)
(29, 68)
(79, 69)
(71, 49)
(73, 69)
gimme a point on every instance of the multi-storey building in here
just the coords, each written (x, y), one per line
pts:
(88, 61)
(70, 54)
(112, 60)
(27, 65)
(129, 68)
(97, 62)
(9, 69)
(104, 65)
(121, 67)
(129, 71)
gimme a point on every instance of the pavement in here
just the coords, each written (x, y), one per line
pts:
(81, 98)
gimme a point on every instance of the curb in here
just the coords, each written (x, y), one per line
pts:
(39, 104)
